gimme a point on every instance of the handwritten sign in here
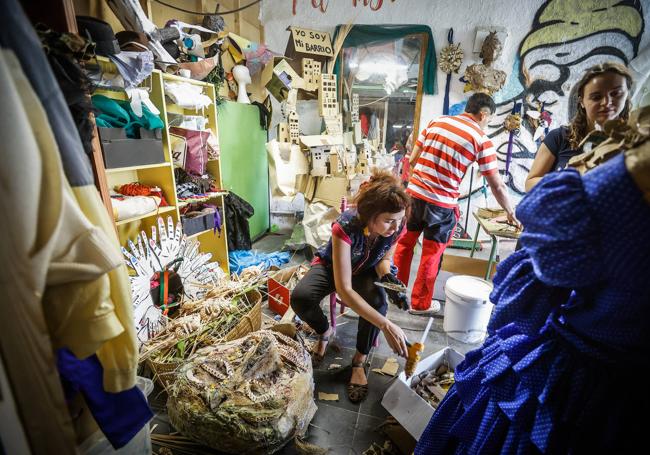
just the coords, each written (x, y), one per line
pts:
(312, 42)
(321, 5)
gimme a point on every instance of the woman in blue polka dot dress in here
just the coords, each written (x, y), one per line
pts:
(565, 366)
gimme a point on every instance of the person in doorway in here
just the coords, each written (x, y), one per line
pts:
(358, 255)
(442, 154)
(603, 94)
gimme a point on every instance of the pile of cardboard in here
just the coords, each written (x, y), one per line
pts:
(339, 158)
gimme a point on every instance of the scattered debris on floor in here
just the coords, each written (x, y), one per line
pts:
(376, 449)
(322, 396)
(390, 368)
(433, 385)
(306, 448)
(403, 442)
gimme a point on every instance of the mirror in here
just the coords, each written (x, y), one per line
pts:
(386, 76)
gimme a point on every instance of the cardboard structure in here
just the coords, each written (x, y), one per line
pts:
(408, 408)
(282, 134)
(279, 77)
(294, 128)
(330, 190)
(354, 109)
(311, 72)
(319, 148)
(328, 106)
(306, 43)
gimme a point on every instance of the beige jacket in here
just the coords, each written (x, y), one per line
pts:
(58, 245)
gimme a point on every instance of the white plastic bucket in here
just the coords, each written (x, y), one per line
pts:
(467, 308)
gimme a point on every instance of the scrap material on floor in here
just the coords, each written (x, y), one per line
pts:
(338, 426)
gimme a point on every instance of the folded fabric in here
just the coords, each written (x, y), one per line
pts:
(119, 114)
(121, 415)
(134, 67)
(131, 206)
(241, 259)
(186, 95)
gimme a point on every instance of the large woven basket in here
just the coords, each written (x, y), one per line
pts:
(165, 372)
(250, 322)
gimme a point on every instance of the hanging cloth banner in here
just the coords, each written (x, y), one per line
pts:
(445, 103)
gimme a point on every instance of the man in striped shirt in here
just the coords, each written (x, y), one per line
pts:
(441, 156)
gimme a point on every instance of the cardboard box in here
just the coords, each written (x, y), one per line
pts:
(462, 265)
(330, 190)
(408, 408)
(120, 151)
(279, 293)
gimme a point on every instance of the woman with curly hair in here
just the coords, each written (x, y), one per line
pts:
(603, 94)
(358, 255)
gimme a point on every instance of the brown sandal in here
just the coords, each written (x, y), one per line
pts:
(358, 392)
(316, 358)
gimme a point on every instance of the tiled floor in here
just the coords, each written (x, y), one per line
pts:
(341, 426)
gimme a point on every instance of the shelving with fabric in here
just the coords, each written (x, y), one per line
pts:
(161, 175)
(157, 175)
(212, 240)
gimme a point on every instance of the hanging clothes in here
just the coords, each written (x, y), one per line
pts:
(96, 262)
(121, 415)
(33, 196)
(238, 211)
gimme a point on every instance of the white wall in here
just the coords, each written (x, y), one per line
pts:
(593, 31)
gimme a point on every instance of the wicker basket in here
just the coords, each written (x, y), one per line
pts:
(250, 322)
(165, 372)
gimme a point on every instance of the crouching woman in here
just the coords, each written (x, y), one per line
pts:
(358, 255)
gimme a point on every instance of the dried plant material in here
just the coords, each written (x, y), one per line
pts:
(617, 136)
(203, 321)
(251, 395)
(390, 367)
(512, 122)
(376, 449)
(491, 48)
(451, 57)
(323, 396)
(306, 448)
(484, 79)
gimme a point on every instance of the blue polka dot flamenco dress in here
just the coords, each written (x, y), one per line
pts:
(565, 366)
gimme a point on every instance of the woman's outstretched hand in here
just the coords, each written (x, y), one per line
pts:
(395, 338)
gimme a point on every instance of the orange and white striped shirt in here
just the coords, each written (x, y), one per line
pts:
(449, 146)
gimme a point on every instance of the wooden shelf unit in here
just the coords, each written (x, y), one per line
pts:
(162, 174)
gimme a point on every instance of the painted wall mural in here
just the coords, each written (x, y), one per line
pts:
(566, 38)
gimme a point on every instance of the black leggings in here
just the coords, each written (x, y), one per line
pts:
(319, 283)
